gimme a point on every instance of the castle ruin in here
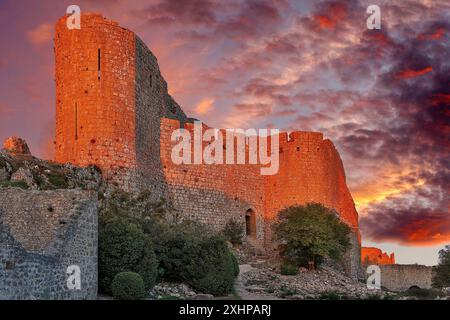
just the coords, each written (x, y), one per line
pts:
(113, 110)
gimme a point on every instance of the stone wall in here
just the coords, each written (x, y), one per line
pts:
(41, 234)
(212, 193)
(401, 277)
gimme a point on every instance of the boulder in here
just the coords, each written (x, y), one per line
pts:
(16, 146)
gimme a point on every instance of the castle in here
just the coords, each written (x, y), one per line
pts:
(113, 110)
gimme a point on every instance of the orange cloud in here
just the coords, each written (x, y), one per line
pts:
(41, 34)
(438, 34)
(204, 106)
(409, 73)
(425, 232)
(440, 98)
(325, 22)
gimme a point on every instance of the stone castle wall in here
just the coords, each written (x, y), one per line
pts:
(41, 234)
(123, 121)
(400, 277)
(212, 193)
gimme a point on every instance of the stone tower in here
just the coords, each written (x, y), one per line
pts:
(109, 98)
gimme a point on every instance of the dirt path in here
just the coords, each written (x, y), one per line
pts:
(242, 291)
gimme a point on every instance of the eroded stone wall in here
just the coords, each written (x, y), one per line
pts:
(42, 233)
(401, 277)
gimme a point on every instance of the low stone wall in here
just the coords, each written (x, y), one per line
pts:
(401, 277)
(42, 233)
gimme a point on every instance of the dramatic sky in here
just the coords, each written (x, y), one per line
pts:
(382, 96)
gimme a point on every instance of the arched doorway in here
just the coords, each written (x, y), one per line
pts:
(250, 223)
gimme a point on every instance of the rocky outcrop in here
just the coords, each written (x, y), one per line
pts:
(36, 174)
(371, 255)
(16, 146)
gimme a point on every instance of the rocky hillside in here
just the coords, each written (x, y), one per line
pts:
(18, 168)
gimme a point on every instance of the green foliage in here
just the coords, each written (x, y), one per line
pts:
(186, 252)
(58, 180)
(288, 269)
(425, 294)
(235, 265)
(287, 292)
(233, 231)
(14, 184)
(189, 253)
(311, 233)
(333, 295)
(441, 277)
(128, 286)
(123, 246)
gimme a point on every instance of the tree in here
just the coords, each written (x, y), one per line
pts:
(310, 233)
(124, 247)
(441, 277)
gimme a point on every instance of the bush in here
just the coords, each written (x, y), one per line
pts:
(235, 265)
(333, 295)
(233, 231)
(311, 233)
(189, 254)
(426, 294)
(128, 286)
(14, 184)
(122, 247)
(58, 180)
(441, 276)
(288, 269)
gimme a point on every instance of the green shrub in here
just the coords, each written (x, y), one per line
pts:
(122, 247)
(235, 264)
(287, 292)
(441, 275)
(333, 295)
(421, 293)
(14, 184)
(58, 180)
(233, 231)
(311, 233)
(188, 253)
(288, 269)
(128, 286)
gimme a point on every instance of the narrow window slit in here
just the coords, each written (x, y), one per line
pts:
(76, 121)
(98, 66)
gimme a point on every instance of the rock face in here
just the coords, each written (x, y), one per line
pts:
(371, 255)
(33, 173)
(261, 281)
(16, 146)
